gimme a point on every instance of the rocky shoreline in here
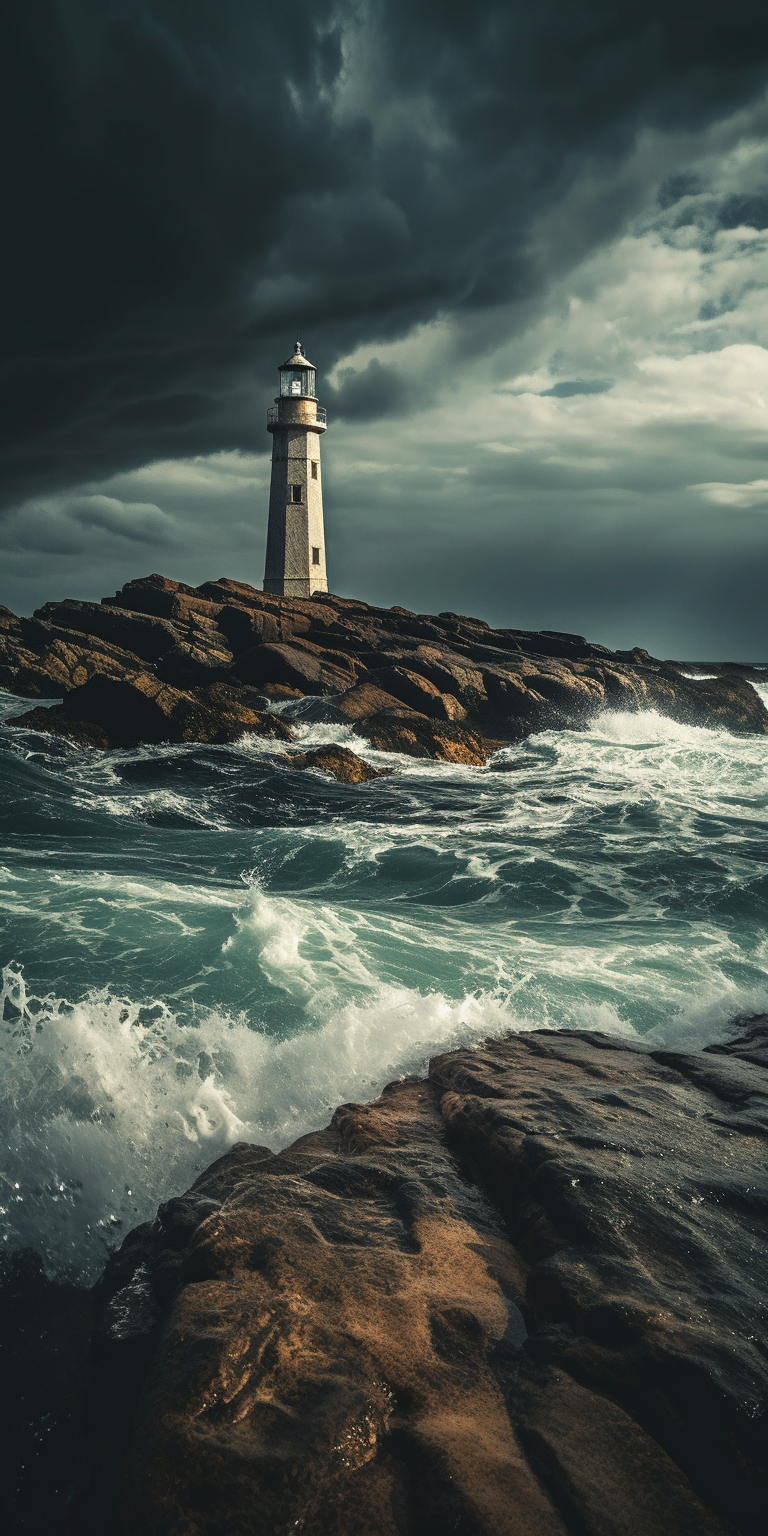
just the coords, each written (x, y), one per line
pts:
(163, 661)
(523, 1295)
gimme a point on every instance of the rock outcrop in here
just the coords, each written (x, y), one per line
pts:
(202, 663)
(339, 762)
(523, 1295)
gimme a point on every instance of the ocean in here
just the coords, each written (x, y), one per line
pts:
(200, 945)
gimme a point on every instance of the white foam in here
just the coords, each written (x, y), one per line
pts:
(109, 1107)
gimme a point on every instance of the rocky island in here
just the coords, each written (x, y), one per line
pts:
(163, 661)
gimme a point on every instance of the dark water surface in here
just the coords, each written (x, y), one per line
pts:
(201, 945)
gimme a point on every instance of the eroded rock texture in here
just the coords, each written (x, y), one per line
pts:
(166, 661)
(524, 1296)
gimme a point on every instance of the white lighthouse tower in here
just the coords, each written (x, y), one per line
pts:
(295, 564)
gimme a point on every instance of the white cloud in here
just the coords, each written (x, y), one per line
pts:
(729, 494)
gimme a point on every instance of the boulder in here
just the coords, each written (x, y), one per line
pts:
(635, 1183)
(728, 702)
(137, 707)
(52, 720)
(245, 627)
(416, 736)
(364, 699)
(189, 664)
(291, 665)
(162, 598)
(339, 762)
(142, 635)
(418, 693)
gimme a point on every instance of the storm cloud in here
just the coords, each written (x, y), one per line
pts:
(409, 187)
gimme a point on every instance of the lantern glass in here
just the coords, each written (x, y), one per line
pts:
(297, 381)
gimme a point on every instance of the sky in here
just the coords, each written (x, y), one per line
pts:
(524, 245)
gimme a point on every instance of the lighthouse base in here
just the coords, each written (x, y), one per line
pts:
(295, 586)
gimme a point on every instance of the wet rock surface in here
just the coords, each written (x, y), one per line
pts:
(344, 766)
(442, 686)
(523, 1295)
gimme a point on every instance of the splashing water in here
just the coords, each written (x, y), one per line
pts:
(204, 946)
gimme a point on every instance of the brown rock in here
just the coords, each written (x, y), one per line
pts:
(295, 666)
(451, 670)
(342, 764)
(419, 737)
(418, 693)
(142, 635)
(136, 708)
(522, 1298)
(189, 664)
(451, 673)
(366, 699)
(331, 1366)
(635, 1184)
(53, 721)
(162, 598)
(246, 627)
(67, 658)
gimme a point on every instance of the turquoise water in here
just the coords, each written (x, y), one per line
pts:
(201, 945)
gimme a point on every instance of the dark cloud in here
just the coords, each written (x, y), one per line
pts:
(187, 182)
(567, 387)
(744, 208)
(363, 394)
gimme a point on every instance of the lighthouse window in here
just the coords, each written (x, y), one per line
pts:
(296, 385)
(314, 469)
(295, 493)
(315, 555)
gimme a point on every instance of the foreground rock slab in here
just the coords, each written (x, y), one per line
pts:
(525, 1295)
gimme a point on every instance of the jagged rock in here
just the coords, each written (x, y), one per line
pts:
(340, 762)
(161, 598)
(54, 721)
(66, 658)
(187, 665)
(415, 735)
(290, 665)
(450, 674)
(246, 627)
(523, 1297)
(138, 633)
(418, 693)
(366, 699)
(136, 708)
(729, 702)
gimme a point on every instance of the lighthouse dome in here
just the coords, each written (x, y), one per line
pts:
(298, 360)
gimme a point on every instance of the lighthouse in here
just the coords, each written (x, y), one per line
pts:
(295, 564)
